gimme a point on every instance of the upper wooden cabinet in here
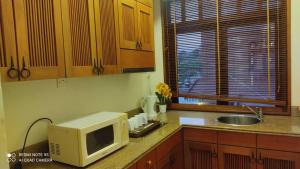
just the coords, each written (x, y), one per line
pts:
(145, 27)
(147, 2)
(8, 55)
(47, 39)
(128, 24)
(90, 30)
(80, 37)
(136, 25)
(40, 39)
(107, 33)
(136, 36)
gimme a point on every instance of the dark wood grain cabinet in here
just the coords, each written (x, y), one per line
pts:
(239, 150)
(193, 148)
(200, 155)
(234, 157)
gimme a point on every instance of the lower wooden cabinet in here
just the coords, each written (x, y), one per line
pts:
(132, 167)
(172, 160)
(270, 159)
(148, 161)
(210, 149)
(200, 155)
(234, 157)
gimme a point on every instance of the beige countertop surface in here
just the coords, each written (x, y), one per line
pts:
(123, 158)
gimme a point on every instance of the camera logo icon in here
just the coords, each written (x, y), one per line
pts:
(11, 157)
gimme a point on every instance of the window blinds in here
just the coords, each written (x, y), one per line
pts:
(231, 52)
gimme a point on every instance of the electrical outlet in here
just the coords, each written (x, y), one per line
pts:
(61, 83)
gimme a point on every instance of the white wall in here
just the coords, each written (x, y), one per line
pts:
(27, 101)
(3, 141)
(295, 52)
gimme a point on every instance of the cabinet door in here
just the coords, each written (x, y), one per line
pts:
(148, 161)
(146, 2)
(200, 155)
(232, 157)
(145, 27)
(268, 159)
(107, 32)
(80, 37)
(8, 54)
(172, 160)
(39, 39)
(128, 24)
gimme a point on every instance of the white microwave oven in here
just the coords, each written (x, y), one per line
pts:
(83, 141)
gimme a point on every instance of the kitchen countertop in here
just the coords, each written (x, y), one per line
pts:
(123, 158)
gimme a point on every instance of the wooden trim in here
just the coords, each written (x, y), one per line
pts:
(206, 136)
(230, 99)
(225, 109)
(237, 139)
(281, 143)
(289, 71)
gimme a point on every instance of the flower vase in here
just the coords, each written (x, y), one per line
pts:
(162, 114)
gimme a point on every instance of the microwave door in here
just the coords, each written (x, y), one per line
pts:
(99, 139)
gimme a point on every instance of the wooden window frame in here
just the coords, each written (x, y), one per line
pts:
(226, 108)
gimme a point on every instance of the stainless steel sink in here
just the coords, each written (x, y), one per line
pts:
(239, 120)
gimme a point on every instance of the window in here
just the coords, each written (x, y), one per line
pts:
(223, 54)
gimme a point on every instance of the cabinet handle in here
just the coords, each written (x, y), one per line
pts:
(149, 164)
(253, 158)
(12, 72)
(95, 68)
(260, 160)
(172, 159)
(137, 46)
(101, 68)
(25, 73)
(141, 44)
(214, 153)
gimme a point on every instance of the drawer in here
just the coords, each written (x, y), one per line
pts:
(146, 2)
(207, 136)
(282, 143)
(237, 139)
(148, 161)
(166, 147)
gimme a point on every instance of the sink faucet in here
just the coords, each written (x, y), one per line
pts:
(258, 112)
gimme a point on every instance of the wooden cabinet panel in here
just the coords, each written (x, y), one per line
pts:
(172, 159)
(132, 167)
(282, 143)
(233, 157)
(39, 38)
(127, 24)
(133, 59)
(237, 139)
(164, 148)
(147, 2)
(208, 136)
(145, 27)
(268, 159)
(108, 49)
(8, 53)
(148, 161)
(200, 155)
(79, 37)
